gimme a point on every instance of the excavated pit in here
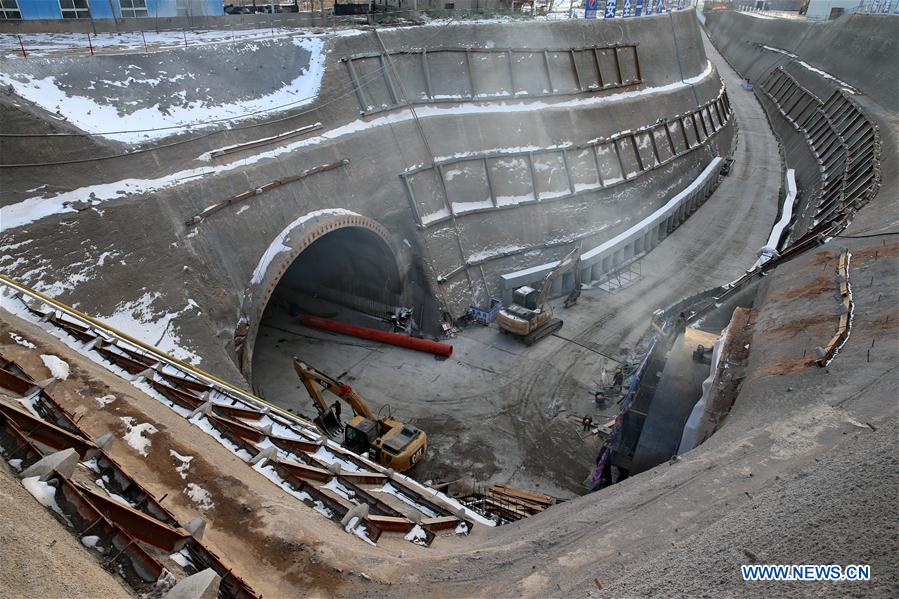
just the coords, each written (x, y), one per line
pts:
(527, 139)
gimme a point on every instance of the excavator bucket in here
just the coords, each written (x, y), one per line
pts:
(329, 424)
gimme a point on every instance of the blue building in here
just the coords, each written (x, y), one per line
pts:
(107, 9)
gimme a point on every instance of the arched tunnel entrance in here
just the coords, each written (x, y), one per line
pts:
(347, 270)
(336, 266)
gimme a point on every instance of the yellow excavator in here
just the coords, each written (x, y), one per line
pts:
(530, 316)
(389, 442)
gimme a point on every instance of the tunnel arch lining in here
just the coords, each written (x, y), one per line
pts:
(277, 259)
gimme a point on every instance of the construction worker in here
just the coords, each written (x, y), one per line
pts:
(587, 421)
(618, 379)
(336, 409)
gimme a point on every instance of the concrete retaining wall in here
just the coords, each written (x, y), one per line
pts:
(137, 203)
(602, 261)
(822, 84)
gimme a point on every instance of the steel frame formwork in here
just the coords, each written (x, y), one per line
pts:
(259, 433)
(139, 533)
(583, 66)
(625, 143)
(843, 139)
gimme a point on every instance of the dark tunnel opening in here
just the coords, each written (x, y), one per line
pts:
(349, 269)
(350, 275)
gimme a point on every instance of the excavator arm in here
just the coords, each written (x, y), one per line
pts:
(316, 382)
(572, 260)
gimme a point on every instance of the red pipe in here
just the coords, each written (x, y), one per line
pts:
(425, 345)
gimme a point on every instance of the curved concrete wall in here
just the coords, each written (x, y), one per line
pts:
(119, 222)
(828, 89)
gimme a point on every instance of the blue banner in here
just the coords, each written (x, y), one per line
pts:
(638, 8)
(626, 9)
(611, 7)
(660, 7)
(668, 6)
(590, 9)
(649, 4)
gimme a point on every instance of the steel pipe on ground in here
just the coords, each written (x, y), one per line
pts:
(425, 345)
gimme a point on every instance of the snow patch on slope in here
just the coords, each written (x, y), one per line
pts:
(58, 369)
(148, 123)
(134, 435)
(138, 319)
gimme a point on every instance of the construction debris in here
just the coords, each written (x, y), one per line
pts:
(508, 504)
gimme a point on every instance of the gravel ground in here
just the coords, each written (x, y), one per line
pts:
(843, 510)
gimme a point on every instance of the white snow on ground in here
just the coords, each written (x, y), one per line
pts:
(182, 558)
(43, 492)
(462, 528)
(138, 319)
(38, 207)
(22, 341)
(329, 457)
(64, 278)
(335, 486)
(29, 404)
(58, 369)
(199, 496)
(269, 472)
(417, 535)
(102, 482)
(355, 527)
(496, 251)
(184, 461)
(201, 421)
(90, 541)
(105, 400)
(390, 489)
(846, 87)
(92, 116)
(134, 435)
(278, 245)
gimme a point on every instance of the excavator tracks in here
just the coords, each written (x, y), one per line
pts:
(545, 331)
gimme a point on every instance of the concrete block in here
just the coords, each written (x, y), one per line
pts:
(266, 430)
(48, 384)
(358, 511)
(104, 442)
(334, 469)
(196, 528)
(63, 462)
(202, 585)
(205, 409)
(146, 373)
(266, 454)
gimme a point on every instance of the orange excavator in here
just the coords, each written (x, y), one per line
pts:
(530, 316)
(388, 441)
